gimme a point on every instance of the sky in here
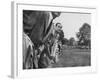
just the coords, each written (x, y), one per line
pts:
(71, 22)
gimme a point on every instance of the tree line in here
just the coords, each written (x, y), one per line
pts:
(83, 38)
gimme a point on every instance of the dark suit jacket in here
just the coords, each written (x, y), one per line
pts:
(35, 24)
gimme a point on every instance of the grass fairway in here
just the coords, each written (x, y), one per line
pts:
(73, 58)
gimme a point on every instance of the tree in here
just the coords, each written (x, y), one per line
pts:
(84, 35)
(65, 41)
(71, 41)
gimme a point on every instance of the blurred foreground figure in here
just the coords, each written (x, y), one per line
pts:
(38, 26)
